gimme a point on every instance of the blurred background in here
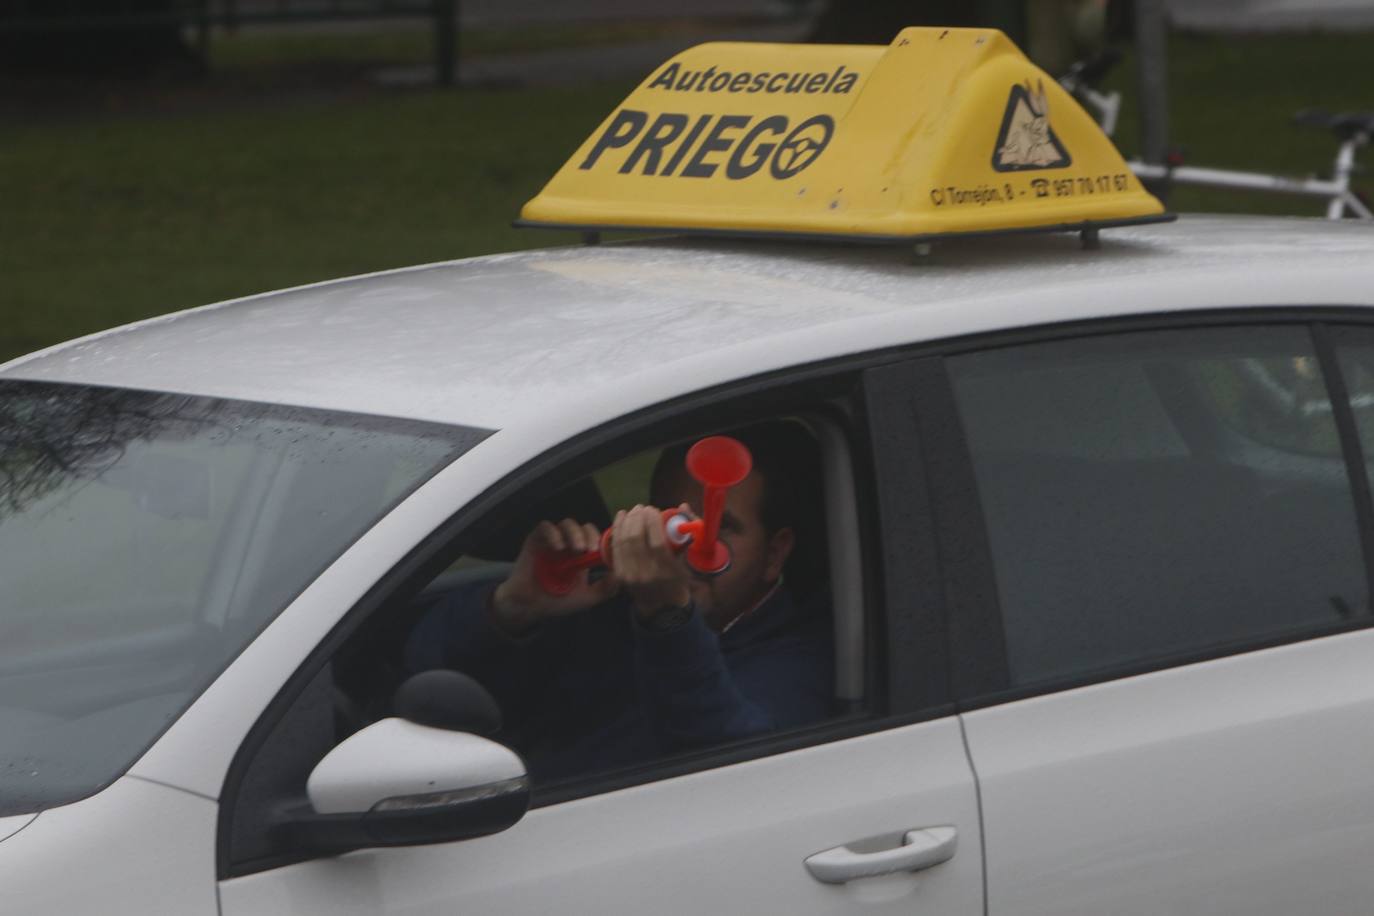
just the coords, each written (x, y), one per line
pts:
(161, 154)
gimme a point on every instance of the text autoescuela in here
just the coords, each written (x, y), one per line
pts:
(675, 79)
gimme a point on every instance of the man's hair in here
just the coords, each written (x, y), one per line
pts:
(786, 456)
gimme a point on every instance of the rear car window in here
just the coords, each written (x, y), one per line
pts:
(1160, 493)
(145, 539)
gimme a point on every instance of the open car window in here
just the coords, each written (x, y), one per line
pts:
(597, 691)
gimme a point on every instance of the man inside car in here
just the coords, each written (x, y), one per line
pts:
(652, 658)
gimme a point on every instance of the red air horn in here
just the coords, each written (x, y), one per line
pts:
(717, 463)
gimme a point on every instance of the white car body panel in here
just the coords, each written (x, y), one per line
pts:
(9, 826)
(496, 341)
(1240, 785)
(727, 840)
(133, 848)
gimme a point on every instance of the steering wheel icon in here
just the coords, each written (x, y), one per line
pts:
(801, 147)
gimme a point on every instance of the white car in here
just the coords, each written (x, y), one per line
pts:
(1098, 548)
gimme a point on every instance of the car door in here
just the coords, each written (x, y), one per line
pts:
(884, 796)
(1177, 525)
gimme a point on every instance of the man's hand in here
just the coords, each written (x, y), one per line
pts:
(653, 575)
(520, 602)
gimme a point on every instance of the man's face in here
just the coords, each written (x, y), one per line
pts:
(756, 558)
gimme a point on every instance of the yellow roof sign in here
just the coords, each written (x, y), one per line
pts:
(945, 131)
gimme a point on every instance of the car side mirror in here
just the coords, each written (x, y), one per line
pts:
(405, 783)
(449, 700)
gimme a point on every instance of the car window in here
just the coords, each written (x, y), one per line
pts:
(1279, 402)
(595, 681)
(1153, 494)
(145, 538)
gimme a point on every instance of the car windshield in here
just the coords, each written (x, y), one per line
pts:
(145, 539)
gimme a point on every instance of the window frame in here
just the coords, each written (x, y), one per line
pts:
(886, 552)
(977, 647)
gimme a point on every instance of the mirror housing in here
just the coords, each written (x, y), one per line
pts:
(447, 699)
(397, 783)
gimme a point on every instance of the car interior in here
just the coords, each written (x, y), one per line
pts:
(367, 670)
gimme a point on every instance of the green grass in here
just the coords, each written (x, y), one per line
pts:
(111, 220)
(1231, 103)
(625, 483)
(108, 219)
(255, 49)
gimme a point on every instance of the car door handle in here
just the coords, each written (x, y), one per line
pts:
(920, 849)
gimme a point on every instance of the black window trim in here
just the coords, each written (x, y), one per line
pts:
(1351, 449)
(978, 661)
(917, 623)
(791, 388)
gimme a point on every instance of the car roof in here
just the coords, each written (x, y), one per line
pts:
(604, 330)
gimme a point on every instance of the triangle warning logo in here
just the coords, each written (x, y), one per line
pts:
(1026, 140)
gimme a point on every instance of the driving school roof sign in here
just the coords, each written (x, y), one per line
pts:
(945, 131)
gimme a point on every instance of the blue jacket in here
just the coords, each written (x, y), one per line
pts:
(595, 690)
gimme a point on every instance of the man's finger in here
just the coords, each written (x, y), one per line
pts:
(654, 529)
(591, 536)
(629, 549)
(618, 536)
(640, 531)
(572, 535)
(548, 535)
(633, 526)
